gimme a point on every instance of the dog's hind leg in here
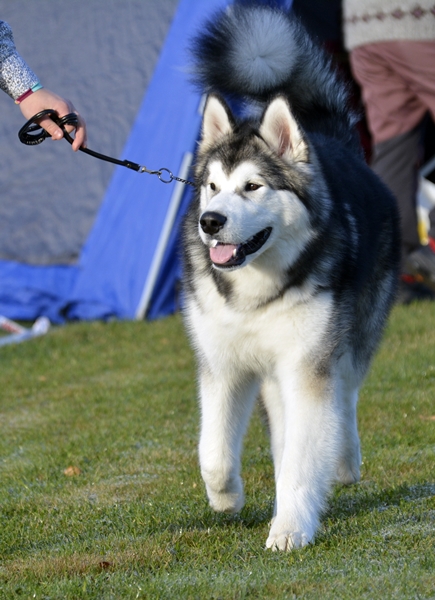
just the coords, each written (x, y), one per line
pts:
(348, 471)
(226, 405)
(349, 463)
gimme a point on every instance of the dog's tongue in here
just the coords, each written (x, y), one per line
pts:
(222, 253)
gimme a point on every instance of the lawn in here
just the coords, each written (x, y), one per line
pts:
(101, 495)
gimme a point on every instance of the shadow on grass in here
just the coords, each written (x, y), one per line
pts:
(366, 497)
(203, 518)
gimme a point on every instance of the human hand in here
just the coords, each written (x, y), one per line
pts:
(43, 99)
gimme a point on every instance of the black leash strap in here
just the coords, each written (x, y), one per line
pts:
(32, 134)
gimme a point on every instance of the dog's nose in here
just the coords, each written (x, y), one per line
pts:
(212, 222)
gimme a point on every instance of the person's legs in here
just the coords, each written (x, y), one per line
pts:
(396, 163)
(415, 63)
(391, 94)
(431, 232)
(392, 108)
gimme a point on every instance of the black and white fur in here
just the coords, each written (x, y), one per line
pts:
(291, 257)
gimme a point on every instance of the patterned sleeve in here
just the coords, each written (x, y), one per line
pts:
(15, 75)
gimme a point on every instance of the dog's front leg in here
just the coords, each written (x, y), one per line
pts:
(310, 454)
(226, 404)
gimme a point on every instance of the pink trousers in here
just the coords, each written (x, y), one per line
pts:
(397, 80)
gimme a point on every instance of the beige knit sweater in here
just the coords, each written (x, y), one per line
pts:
(368, 21)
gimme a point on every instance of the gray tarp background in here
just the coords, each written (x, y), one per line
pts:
(100, 54)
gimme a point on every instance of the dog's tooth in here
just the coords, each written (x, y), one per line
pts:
(214, 243)
(234, 252)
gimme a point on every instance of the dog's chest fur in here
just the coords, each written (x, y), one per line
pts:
(287, 329)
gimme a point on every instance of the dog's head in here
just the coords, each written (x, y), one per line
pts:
(247, 174)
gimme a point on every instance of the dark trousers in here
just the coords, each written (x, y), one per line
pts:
(396, 162)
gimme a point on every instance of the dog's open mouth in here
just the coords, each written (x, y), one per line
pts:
(233, 255)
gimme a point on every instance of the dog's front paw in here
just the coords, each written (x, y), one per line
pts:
(286, 536)
(288, 540)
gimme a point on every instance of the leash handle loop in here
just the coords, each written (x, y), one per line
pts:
(31, 133)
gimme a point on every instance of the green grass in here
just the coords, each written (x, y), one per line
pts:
(117, 401)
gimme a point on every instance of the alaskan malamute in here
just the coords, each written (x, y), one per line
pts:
(291, 262)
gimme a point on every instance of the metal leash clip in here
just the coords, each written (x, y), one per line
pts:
(32, 134)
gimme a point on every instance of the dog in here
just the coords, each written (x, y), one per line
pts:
(291, 255)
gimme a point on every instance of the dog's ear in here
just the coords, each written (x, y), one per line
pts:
(281, 132)
(217, 120)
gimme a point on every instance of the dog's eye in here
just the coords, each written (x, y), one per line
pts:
(212, 187)
(251, 187)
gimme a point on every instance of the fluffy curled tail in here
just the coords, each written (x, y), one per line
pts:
(255, 52)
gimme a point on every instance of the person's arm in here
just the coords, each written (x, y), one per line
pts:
(23, 86)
